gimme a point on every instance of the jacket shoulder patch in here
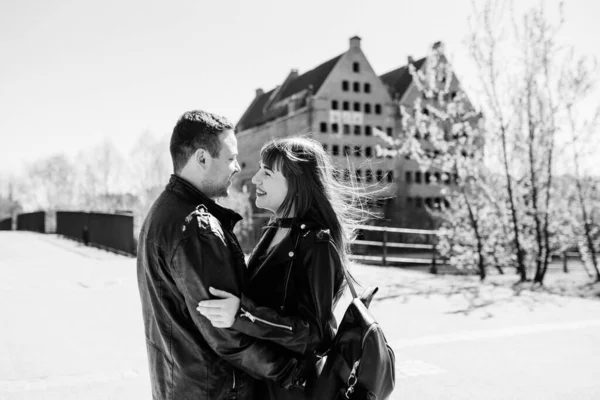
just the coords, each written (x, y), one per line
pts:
(201, 221)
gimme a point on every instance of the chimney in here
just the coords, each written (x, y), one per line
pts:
(259, 92)
(438, 45)
(293, 74)
(355, 42)
(411, 60)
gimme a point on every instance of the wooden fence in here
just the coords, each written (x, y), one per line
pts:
(386, 246)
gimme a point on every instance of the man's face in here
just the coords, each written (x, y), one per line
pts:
(223, 168)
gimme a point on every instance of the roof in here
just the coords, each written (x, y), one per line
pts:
(256, 112)
(314, 77)
(399, 79)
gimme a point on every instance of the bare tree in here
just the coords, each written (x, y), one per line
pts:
(585, 201)
(102, 175)
(49, 183)
(533, 88)
(484, 45)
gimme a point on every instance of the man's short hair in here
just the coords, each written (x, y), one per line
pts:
(196, 129)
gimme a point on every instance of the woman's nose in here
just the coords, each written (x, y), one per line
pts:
(255, 178)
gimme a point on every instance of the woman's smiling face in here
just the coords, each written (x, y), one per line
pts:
(271, 188)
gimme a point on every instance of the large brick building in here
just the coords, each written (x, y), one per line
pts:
(341, 103)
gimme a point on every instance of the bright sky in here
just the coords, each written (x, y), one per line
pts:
(75, 71)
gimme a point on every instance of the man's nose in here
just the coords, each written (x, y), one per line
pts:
(237, 166)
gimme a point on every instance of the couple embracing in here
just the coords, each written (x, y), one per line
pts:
(216, 327)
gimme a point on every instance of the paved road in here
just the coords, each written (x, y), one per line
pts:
(71, 329)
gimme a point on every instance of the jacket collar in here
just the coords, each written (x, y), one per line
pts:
(309, 221)
(187, 191)
(285, 250)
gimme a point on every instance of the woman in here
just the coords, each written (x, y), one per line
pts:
(296, 270)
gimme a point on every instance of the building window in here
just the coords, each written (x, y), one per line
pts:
(334, 104)
(409, 201)
(446, 179)
(345, 86)
(357, 129)
(428, 202)
(377, 109)
(368, 130)
(367, 108)
(418, 202)
(355, 67)
(438, 177)
(369, 176)
(408, 176)
(389, 131)
(323, 127)
(368, 151)
(347, 151)
(356, 106)
(456, 179)
(379, 175)
(357, 151)
(418, 177)
(390, 153)
(367, 88)
(325, 148)
(390, 176)
(356, 87)
(335, 150)
(346, 129)
(346, 175)
(346, 106)
(427, 178)
(358, 175)
(446, 203)
(335, 128)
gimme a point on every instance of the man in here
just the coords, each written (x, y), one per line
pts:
(187, 245)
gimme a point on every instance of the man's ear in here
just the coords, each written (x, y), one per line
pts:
(202, 158)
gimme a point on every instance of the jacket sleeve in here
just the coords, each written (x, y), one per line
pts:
(201, 261)
(308, 331)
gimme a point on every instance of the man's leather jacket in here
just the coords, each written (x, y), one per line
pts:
(186, 245)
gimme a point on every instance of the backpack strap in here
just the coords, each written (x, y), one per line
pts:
(348, 280)
(350, 284)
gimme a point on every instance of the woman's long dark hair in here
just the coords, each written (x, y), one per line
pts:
(314, 185)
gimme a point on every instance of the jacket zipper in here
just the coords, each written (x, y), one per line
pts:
(253, 319)
(233, 379)
(287, 281)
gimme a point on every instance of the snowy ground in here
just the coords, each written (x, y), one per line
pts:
(70, 328)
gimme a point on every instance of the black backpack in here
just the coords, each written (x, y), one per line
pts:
(360, 364)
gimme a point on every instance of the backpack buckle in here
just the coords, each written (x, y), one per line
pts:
(352, 379)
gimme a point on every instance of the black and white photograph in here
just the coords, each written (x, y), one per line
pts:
(316, 200)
